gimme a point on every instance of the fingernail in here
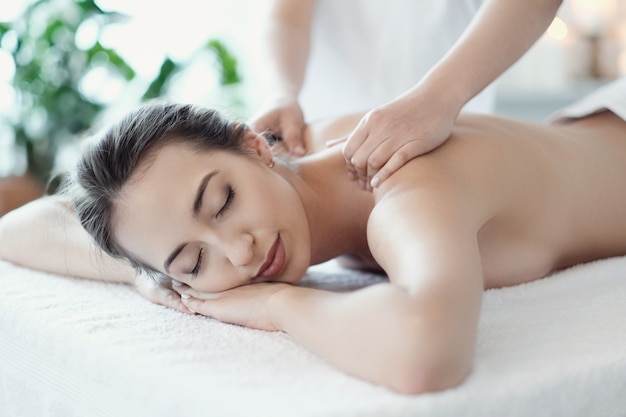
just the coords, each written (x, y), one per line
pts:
(176, 283)
(375, 182)
(184, 296)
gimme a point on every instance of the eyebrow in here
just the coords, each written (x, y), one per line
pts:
(197, 206)
(197, 202)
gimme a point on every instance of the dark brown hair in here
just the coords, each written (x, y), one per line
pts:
(110, 161)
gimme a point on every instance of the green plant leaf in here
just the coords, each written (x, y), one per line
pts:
(116, 61)
(156, 87)
(89, 6)
(227, 62)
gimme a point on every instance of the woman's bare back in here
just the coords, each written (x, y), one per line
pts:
(544, 196)
(551, 196)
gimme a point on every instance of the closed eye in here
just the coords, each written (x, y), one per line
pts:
(196, 269)
(229, 199)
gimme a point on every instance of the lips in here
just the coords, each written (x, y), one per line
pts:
(274, 261)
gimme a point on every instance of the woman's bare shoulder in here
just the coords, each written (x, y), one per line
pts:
(473, 177)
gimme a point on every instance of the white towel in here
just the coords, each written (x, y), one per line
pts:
(611, 96)
(71, 347)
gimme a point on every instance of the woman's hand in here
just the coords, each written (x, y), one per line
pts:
(248, 305)
(388, 137)
(283, 117)
(159, 291)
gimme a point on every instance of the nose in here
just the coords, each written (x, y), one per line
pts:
(239, 249)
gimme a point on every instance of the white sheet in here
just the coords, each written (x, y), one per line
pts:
(70, 347)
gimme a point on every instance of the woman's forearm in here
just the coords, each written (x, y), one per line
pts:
(46, 235)
(383, 334)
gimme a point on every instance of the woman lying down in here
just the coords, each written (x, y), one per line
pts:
(182, 193)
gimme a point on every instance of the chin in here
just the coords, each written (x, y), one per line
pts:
(296, 271)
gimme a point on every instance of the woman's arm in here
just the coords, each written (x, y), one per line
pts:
(47, 235)
(414, 334)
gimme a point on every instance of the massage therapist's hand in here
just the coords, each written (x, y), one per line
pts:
(389, 136)
(159, 291)
(248, 305)
(283, 117)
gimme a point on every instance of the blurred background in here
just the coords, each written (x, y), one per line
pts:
(67, 67)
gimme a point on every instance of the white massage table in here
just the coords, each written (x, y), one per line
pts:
(71, 347)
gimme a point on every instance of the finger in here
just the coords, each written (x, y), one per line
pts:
(355, 139)
(198, 306)
(179, 287)
(351, 172)
(379, 156)
(191, 303)
(398, 160)
(361, 158)
(294, 140)
(190, 292)
(333, 142)
(172, 300)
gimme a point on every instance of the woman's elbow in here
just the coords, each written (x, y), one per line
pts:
(414, 380)
(436, 366)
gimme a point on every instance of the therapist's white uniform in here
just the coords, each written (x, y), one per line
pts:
(365, 53)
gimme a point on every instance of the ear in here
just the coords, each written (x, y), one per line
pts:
(257, 144)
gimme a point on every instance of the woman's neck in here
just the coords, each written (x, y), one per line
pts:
(336, 208)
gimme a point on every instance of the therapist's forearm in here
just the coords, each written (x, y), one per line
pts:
(288, 42)
(501, 32)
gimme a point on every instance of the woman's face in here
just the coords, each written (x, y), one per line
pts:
(214, 220)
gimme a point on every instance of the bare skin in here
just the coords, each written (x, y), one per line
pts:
(500, 203)
(540, 218)
(421, 118)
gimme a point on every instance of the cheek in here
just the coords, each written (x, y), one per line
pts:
(213, 281)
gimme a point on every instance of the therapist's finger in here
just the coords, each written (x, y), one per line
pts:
(371, 155)
(355, 139)
(294, 140)
(379, 156)
(351, 172)
(399, 158)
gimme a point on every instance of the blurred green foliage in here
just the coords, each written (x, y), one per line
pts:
(50, 109)
(227, 63)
